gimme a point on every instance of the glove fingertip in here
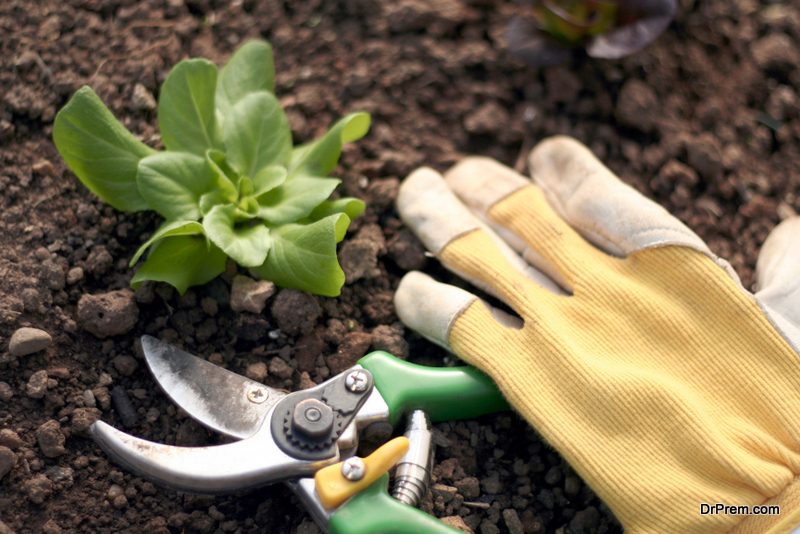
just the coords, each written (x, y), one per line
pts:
(430, 307)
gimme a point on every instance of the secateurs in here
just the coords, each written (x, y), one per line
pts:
(308, 439)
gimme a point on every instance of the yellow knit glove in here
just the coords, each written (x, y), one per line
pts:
(634, 350)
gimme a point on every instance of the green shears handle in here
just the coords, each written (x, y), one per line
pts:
(373, 511)
(444, 393)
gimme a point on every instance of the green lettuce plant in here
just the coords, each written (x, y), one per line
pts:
(229, 184)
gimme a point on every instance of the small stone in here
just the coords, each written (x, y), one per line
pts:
(74, 275)
(27, 341)
(487, 527)
(776, 52)
(572, 486)
(120, 502)
(38, 488)
(99, 260)
(88, 398)
(250, 295)
(447, 493)
(637, 106)
(457, 523)
(10, 439)
(51, 439)
(256, 371)
(305, 381)
(108, 314)
(7, 461)
(142, 99)
(5, 529)
(44, 167)
(53, 274)
(585, 521)
(51, 527)
(492, 484)
(6, 393)
(83, 419)
(209, 306)
(125, 365)
(114, 491)
(553, 475)
(705, 156)
(469, 487)
(295, 312)
(278, 367)
(37, 385)
(511, 519)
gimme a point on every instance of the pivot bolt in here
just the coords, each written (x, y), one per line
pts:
(353, 469)
(357, 381)
(312, 418)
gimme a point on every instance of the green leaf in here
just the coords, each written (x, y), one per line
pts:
(181, 261)
(268, 179)
(295, 199)
(257, 134)
(319, 157)
(173, 182)
(304, 256)
(247, 243)
(227, 178)
(99, 150)
(353, 207)
(168, 229)
(186, 114)
(250, 69)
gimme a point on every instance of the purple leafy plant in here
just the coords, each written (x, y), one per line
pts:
(607, 29)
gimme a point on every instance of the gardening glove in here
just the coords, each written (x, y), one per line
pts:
(632, 349)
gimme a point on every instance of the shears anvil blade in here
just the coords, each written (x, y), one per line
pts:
(219, 399)
(244, 464)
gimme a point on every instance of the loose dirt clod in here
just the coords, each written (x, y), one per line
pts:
(250, 295)
(108, 314)
(7, 460)
(51, 439)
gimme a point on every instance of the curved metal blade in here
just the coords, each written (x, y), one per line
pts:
(215, 397)
(240, 465)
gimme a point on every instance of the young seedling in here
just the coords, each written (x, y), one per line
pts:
(229, 184)
(605, 28)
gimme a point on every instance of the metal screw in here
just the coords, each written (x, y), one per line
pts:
(353, 469)
(257, 395)
(357, 381)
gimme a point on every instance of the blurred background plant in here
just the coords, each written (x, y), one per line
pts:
(610, 29)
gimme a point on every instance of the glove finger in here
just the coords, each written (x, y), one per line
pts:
(778, 271)
(518, 212)
(431, 308)
(462, 242)
(594, 201)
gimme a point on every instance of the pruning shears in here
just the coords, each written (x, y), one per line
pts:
(308, 439)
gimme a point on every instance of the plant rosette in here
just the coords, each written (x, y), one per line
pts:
(230, 182)
(608, 29)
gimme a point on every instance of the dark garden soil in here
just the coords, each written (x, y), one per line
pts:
(706, 121)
